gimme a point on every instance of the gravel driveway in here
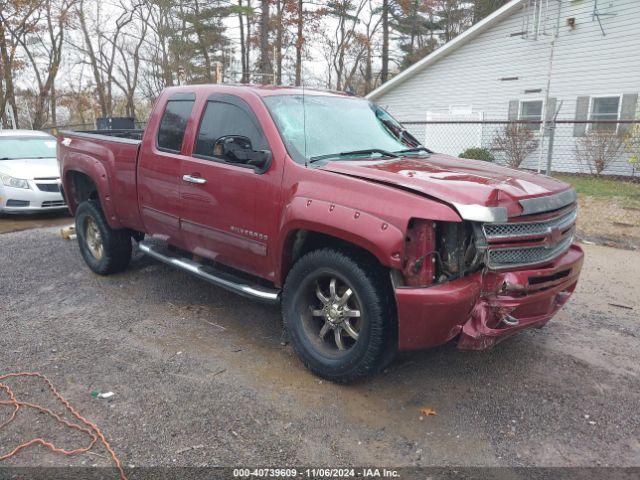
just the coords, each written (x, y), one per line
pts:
(194, 366)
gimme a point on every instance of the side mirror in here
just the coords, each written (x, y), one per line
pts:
(238, 149)
(261, 159)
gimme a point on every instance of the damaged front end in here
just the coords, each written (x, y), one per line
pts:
(438, 252)
(512, 301)
(483, 282)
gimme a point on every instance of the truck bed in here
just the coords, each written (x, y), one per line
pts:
(114, 135)
(109, 156)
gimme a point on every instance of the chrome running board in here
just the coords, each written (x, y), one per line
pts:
(220, 279)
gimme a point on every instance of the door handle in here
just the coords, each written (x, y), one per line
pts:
(192, 179)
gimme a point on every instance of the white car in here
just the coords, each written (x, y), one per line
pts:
(29, 174)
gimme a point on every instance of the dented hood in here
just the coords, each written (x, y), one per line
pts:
(492, 191)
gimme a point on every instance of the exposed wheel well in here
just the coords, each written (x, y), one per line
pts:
(82, 188)
(303, 241)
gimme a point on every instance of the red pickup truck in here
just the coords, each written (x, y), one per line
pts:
(322, 202)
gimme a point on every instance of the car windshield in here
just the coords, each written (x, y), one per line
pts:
(321, 126)
(14, 148)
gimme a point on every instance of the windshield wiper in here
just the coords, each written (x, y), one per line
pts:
(368, 151)
(414, 150)
(6, 158)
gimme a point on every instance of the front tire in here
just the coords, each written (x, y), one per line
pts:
(338, 312)
(105, 250)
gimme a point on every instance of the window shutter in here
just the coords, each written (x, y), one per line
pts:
(551, 108)
(582, 112)
(628, 110)
(513, 110)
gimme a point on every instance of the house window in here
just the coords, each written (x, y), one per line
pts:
(607, 109)
(531, 111)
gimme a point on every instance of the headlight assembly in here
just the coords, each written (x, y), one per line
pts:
(437, 252)
(14, 182)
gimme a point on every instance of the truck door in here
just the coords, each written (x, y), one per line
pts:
(220, 189)
(159, 175)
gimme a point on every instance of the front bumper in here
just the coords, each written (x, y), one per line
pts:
(22, 200)
(486, 307)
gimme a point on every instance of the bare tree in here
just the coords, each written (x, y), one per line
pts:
(249, 33)
(17, 18)
(266, 69)
(342, 46)
(7, 68)
(516, 142)
(277, 20)
(100, 47)
(132, 49)
(129, 68)
(78, 100)
(299, 42)
(244, 58)
(306, 23)
(598, 149)
(158, 68)
(42, 45)
(384, 72)
(289, 24)
(372, 24)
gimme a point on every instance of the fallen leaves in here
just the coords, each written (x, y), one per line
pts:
(427, 411)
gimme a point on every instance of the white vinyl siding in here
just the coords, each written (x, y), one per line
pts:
(586, 64)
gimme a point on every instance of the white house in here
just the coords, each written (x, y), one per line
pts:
(499, 70)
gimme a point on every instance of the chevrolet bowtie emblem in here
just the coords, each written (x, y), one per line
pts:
(554, 234)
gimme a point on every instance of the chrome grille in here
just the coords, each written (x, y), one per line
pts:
(510, 257)
(514, 230)
(517, 244)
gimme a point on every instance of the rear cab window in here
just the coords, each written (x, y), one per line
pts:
(174, 122)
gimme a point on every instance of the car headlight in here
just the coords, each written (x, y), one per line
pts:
(14, 182)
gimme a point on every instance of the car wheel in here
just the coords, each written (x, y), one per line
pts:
(338, 313)
(105, 250)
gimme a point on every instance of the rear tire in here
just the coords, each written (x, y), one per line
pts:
(105, 250)
(339, 314)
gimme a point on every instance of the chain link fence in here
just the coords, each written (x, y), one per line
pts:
(570, 146)
(598, 158)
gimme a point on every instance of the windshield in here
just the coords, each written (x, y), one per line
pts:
(326, 125)
(13, 148)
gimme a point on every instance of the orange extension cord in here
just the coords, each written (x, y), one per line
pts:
(89, 428)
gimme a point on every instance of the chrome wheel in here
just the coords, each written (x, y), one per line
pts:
(337, 314)
(334, 320)
(93, 238)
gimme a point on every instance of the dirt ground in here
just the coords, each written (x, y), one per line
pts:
(609, 221)
(15, 223)
(194, 366)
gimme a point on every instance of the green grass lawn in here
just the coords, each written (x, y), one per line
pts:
(628, 192)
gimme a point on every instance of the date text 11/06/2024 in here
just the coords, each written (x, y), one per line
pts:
(316, 473)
